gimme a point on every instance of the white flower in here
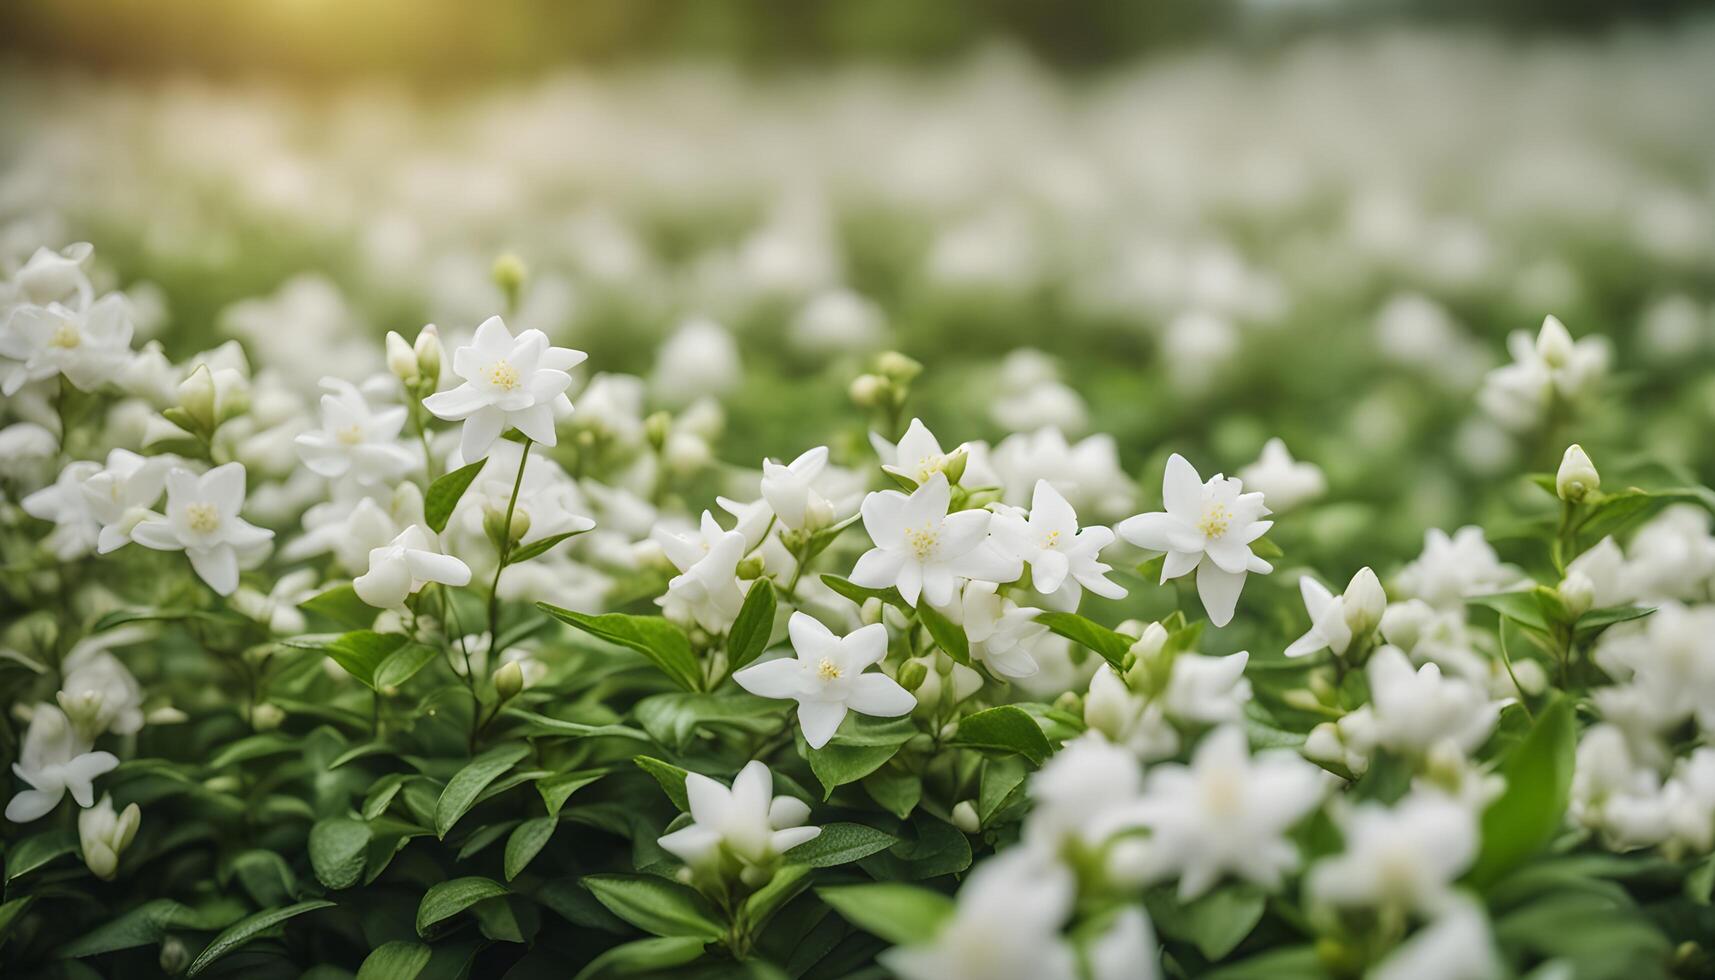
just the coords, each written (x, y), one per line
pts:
(789, 490)
(924, 550)
(917, 456)
(828, 677)
(1087, 474)
(1207, 690)
(1206, 527)
(1456, 946)
(1003, 635)
(55, 759)
(76, 529)
(1087, 792)
(1127, 718)
(1058, 552)
(1614, 794)
(1283, 481)
(202, 521)
(90, 347)
(351, 529)
(53, 277)
(1673, 556)
(1126, 950)
(507, 382)
(99, 695)
(706, 591)
(1226, 813)
(1451, 569)
(1518, 395)
(1671, 660)
(1006, 926)
(404, 565)
(1406, 856)
(746, 822)
(103, 835)
(1577, 477)
(1603, 565)
(699, 359)
(1416, 708)
(1690, 796)
(356, 439)
(121, 494)
(277, 609)
(1335, 620)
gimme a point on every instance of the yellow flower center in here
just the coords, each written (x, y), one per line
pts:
(351, 435)
(202, 518)
(1222, 793)
(923, 541)
(1216, 519)
(66, 336)
(828, 670)
(1051, 540)
(502, 375)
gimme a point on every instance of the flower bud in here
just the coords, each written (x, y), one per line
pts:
(965, 817)
(912, 674)
(104, 835)
(750, 568)
(871, 611)
(954, 467)
(509, 273)
(174, 956)
(1554, 342)
(196, 397)
(897, 367)
(868, 390)
(509, 680)
(818, 512)
(428, 351)
(266, 717)
(656, 428)
(498, 530)
(401, 359)
(1577, 593)
(1363, 602)
(1577, 478)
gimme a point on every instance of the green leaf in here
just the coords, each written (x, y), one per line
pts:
(245, 930)
(851, 756)
(526, 842)
(671, 778)
(948, 635)
(656, 906)
(1601, 619)
(400, 959)
(444, 495)
(1215, 923)
(536, 724)
(9, 913)
(754, 626)
(462, 790)
(901, 914)
(535, 548)
(144, 925)
(37, 850)
(1005, 729)
(674, 717)
(338, 849)
(788, 883)
(1700, 883)
(361, 652)
(840, 843)
(1110, 645)
(449, 898)
(557, 788)
(643, 956)
(1002, 778)
(342, 605)
(662, 642)
(1290, 963)
(896, 790)
(1525, 608)
(858, 594)
(1527, 814)
(254, 747)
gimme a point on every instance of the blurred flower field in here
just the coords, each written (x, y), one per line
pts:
(1242, 515)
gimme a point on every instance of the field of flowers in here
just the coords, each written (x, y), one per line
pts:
(1232, 517)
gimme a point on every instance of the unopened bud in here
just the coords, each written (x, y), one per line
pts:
(498, 529)
(428, 351)
(954, 467)
(750, 568)
(867, 390)
(174, 956)
(755, 875)
(1577, 478)
(401, 359)
(965, 817)
(1363, 602)
(509, 680)
(1577, 593)
(871, 611)
(912, 674)
(1554, 342)
(509, 273)
(897, 367)
(657, 427)
(266, 717)
(196, 397)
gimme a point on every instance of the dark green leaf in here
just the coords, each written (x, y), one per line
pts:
(1600, 619)
(342, 605)
(400, 959)
(671, 778)
(1526, 815)
(1525, 608)
(901, 914)
(754, 626)
(1005, 729)
(535, 548)
(461, 791)
(860, 595)
(896, 790)
(948, 635)
(526, 842)
(338, 847)
(643, 956)
(557, 788)
(663, 643)
(1110, 645)
(840, 843)
(245, 930)
(449, 898)
(1215, 923)
(38, 849)
(444, 495)
(659, 907)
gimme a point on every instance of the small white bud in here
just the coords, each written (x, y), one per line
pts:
(401, 359)
(509, 680)
(867, 390)
(1363, 602)
(1577, 477)
(428, 351)
(965, 817)
(266, 717)
(196, 397)
(1554, 342)
(1577, 593)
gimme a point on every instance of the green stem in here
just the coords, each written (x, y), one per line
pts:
(494, 647)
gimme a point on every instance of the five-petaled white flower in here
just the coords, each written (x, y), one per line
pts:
(1284, 482)
(356, 439)
(507, 381)
(90, 347)
(917, 456)
(1208, 528)
(76, 529)
(55, 759)
(924, 550)
(1406, 856)
(119, 496)
(1060, 555)
(1003, 635)
(1226, 813)
(404, 565)
(746, 822)
(789, 491)
(827, 677)
(706, 590)
(202, 521)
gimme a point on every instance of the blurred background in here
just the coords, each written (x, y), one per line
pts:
(1190, 224)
